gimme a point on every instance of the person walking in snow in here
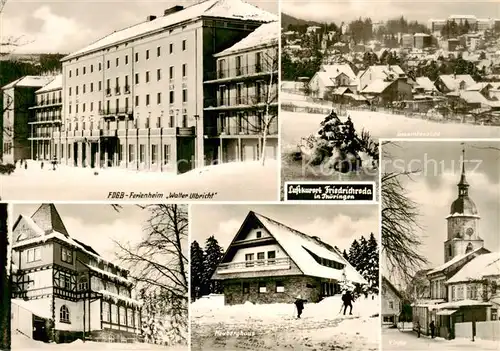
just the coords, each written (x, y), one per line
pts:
(418, 329)
(347, 299)
(433, 329)
(299, 303)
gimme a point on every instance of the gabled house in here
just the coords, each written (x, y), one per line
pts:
(385, 84)
(392, 301)
(331, 77)
(269, 262)
(380, 72)
(423, 85)
(447, 83)
(63, 282)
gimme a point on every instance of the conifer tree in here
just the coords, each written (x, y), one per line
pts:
(212, 257)
(197, 268)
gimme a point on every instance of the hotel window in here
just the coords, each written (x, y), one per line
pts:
(171, 72)
(84, 70)
(127, 88)
(271, 256)
(158, 122)
(158, 98)
(69, 91)
(100, 105)
(171, 46)
(131, 156)
(262, 287)
(83, 107)
(77, 72)
(142, 153)
(121, 151)
(83, 88)
(130, 317)
(126, 59)
(258, 62)
(171, 97)
(136, 57)
(100, 66)
(166, 154)
(238, 66)
(239, 91)
(66, 255)
(147, 99)
(126, 104)
(184, 70)
(223, 95)
(76, 108)
(147, 54)
(249, 260)
(114, 314)
(246, 288)
(184, 95)
(100, 85)
(147, 76)
(117, 62)
(280, 287)
(105, 311)
(184, 45)
(154, 154)
(171, 121)
(91, 87)
(64, 314)
(123, 316)
(91, 68)
(33, 255)
(158, 74)
(137, 101)
(76, 88)
(184, 121)
(137, 78)
(70, 73)
(222, 68)
(107, 64)
(158, 51)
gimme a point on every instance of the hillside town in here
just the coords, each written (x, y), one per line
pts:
(445, 69)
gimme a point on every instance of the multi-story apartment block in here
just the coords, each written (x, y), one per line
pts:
(134, 98)
(47, 120)
(60, 279)
(18, 97)
(241, 103)
(269, 262)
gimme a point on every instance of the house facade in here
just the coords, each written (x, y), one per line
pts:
(241, 99)
(268, 262)
(47, 120)
(18, 97)
(391, 302)
(135, 98)
(68, 288)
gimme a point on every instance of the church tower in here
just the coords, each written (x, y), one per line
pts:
(463, 236)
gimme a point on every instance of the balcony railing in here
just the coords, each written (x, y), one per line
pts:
(265, 264)
(240, 71)
(236, 101)
(117, 111)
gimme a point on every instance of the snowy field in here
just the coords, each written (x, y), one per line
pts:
(232, 181)
(23, 343)
(275, 326)
(395, 340)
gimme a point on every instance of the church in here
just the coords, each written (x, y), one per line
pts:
(461, 292)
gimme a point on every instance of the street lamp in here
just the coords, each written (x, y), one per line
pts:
(196, 118)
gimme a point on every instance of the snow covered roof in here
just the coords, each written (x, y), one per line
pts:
(425, 83)
(454, 260)
(377, 86)
(115, 298)
(47, 218)
(383, 71)
(231, 9)
(296, 245)
(324, 77)
(109, 275)
(479, 86)
(452, 82)
(335, 70)
(38, 307)
(55, 84)
(461, 303)
(264, 36)
(478, 268)
(29, 81)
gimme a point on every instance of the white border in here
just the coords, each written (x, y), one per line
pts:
(336, 202)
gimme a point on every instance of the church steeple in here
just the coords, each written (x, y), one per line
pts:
(463, 186)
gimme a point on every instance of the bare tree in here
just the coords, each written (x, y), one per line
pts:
(400, 241)
(5, 279)
(159, 263)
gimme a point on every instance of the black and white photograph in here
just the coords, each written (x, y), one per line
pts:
(440, 252)
(284, 277)
(96, 277)
(383, 69)
(160, 101)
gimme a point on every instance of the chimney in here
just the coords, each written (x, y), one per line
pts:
(173, 9)
(150, 18)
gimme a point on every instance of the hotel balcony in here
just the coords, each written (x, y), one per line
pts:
(238, 102)
(38, 135)
(240, 73)
(117, 112)
(48, 103)
(185, 131)
(235, 130)
(255, 265)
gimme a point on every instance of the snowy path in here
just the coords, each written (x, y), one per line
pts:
(394, 340)
(226, 182)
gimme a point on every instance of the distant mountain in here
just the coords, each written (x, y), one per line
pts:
(287, 20)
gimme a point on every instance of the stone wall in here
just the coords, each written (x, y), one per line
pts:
(308, 287)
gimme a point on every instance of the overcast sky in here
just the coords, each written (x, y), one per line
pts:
(337, 225)
(64, 26)
(97, 225)
(421, 10)
(434, 188)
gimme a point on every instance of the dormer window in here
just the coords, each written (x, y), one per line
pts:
(259, 234)
(66, 255)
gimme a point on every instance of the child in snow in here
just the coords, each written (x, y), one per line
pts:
(347, 299)
(299, 303)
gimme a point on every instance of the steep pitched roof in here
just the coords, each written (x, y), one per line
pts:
(335, 70)
(425, 83)
(297, 244)
(452, 82)
(383, 72)
(55, 84)
(377, 86)
(48, 219)
(479, 267)
(455, 260)
(231, 9)
(29, 82)
(391, 286)
(264, 36)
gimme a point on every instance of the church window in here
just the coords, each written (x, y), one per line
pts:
(469, 248)
(64, 314)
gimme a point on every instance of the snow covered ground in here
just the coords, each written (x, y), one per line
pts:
(275, 326)
(248, 181)
(395, 340)
(23, 343)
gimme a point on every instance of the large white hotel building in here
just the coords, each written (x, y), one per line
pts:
(138, 98)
